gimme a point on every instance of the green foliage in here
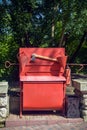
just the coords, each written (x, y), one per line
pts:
(82, 56)
(8, 51)
(45, 23)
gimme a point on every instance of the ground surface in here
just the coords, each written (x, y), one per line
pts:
(43, 121)
(59, 126)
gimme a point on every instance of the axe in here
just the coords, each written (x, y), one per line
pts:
(34, 56)
(61, 59)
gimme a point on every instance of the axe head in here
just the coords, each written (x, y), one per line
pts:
(33, 58)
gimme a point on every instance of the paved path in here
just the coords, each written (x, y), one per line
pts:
(61, 126)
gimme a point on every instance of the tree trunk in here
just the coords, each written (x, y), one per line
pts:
(62, 38)
(72, 59)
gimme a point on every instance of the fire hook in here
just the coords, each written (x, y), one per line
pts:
(8, 64)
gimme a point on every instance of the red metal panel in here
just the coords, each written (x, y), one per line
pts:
(40, 67)
(42, 80)
(43, 95)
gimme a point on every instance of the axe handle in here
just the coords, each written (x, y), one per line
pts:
(45, 57)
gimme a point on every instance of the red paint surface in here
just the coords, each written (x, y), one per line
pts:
(43, 95)
(41, 67)
(42, 81)
(43, 78)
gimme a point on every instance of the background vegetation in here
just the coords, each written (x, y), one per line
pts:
(42, 23)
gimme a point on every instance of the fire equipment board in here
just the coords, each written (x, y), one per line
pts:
(42, 78)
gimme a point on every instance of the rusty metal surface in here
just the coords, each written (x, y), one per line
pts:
(81, 66)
